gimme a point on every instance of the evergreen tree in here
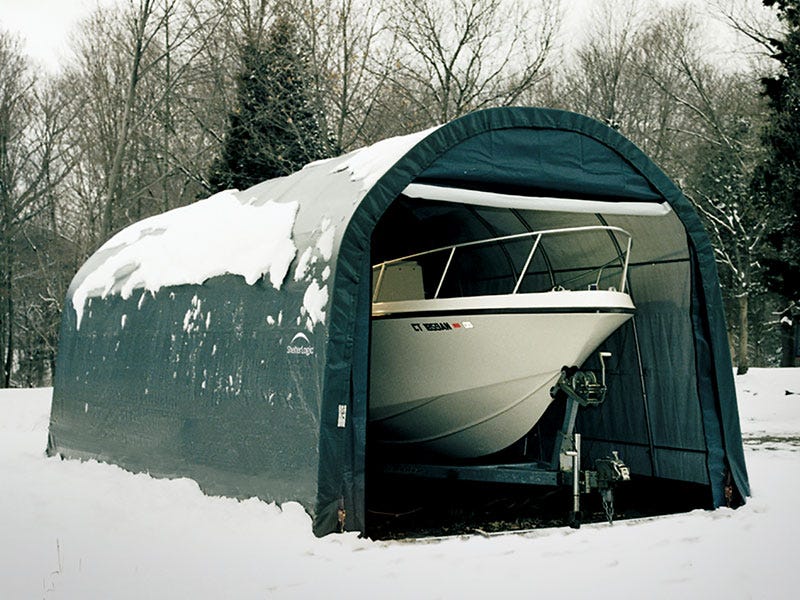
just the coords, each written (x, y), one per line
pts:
(273, 131)
(780, 175)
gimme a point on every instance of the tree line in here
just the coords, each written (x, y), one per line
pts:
(163, 102)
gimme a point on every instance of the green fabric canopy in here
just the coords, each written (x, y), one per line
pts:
(268, 396)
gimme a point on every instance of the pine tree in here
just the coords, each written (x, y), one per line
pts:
(273, 131)
(780, 175)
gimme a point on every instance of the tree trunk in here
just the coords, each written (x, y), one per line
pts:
(115, 174)
(742, 362)
(8, 316)
(788, 333)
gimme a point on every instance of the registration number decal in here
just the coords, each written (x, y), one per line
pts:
(441, 326)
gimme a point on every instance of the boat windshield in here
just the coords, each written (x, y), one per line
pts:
(573, 258)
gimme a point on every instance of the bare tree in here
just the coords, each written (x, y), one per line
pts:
(722, 119)
(602, 80)
(139, 41)
(462, 55)
(756, 24)
(146, 134)
(351, 54)
(32, 123)
(623, 75)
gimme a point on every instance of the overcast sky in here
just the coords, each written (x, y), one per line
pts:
(44, 25)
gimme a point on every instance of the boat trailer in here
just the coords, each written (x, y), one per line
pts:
(581, 389)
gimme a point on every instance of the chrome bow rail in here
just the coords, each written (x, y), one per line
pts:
(619, 260)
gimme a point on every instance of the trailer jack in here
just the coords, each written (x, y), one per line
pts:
(608, 472)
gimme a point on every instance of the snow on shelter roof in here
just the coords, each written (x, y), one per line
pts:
(238, 237)
(241, 235)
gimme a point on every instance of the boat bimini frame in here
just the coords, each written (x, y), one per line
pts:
(620, 260)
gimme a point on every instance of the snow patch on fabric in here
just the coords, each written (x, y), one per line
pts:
(302, 264)
(188, 245)
(325, 241)
(322, 248)
(193, 320)
(314, 302)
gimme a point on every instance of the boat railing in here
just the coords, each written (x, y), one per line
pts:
(619, 260)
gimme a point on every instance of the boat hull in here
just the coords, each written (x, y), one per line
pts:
(467, 377)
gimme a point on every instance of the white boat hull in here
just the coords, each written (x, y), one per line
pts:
(466, 377)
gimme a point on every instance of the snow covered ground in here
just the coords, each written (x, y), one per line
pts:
(89, 530)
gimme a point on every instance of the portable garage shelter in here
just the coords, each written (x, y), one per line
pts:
(228, 341)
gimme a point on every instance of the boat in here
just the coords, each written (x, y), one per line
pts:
(461, 374)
